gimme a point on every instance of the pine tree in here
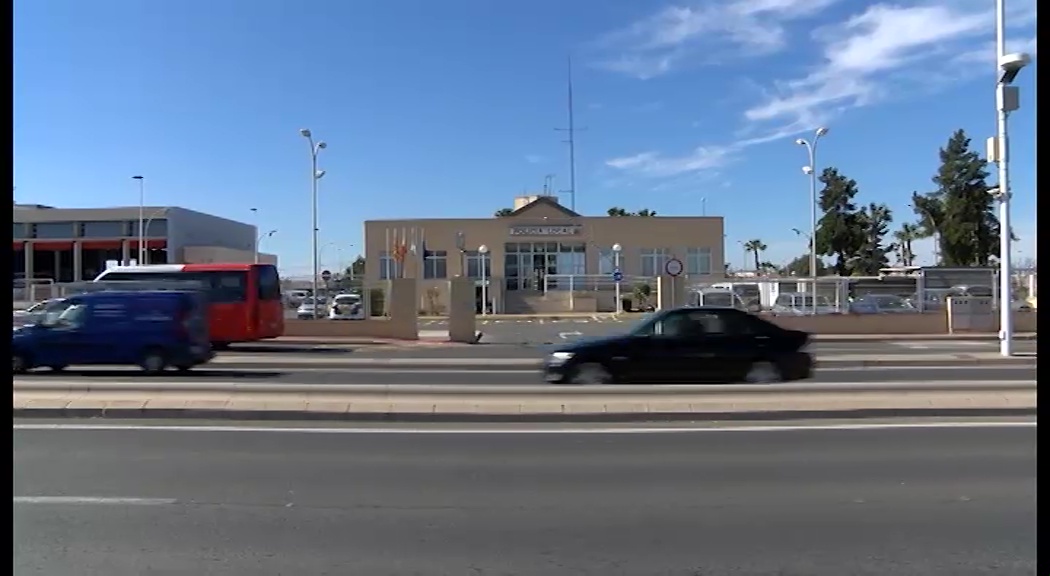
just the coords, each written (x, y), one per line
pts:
(840, 231)
(874, 254)
(960, 211)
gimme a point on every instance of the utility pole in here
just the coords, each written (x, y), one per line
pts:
(572, 144)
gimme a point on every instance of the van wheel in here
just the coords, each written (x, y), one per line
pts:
(20, 363)
(153, 361)
(220, 345)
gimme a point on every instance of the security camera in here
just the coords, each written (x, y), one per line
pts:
(807, 170)
(1011, 64)
(995, 192)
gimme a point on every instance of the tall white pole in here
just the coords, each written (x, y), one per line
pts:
(142, 219)
(616, 270)
(484, 282)
(313, 210)
(812, 148)
(1006, 327)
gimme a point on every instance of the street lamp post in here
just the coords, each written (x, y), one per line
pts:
(811, 171)
(483, 250)
(1007, 100)
(145, 234)
(315, 175)
(616, 248)
(142, 216)
(259, 239)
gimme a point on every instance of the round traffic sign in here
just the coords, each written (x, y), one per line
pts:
(326, 275)
(673, 267)
(617, 275)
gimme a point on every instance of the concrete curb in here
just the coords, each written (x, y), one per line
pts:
(467, 364)
(656, 392)
(305, 415)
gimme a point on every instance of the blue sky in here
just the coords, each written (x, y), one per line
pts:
(447, 108)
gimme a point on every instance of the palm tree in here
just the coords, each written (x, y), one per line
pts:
(905, 236)
(756, 247)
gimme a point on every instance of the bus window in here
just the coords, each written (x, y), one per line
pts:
(269, 283)
(227, 287)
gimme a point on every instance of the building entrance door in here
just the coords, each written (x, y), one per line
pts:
(531, 265)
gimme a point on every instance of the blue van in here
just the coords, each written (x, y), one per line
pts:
(150, 329)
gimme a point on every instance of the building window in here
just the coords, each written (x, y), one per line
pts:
(474, 260)
(103, 229)
(653, 261)
(386, 266)
(607, 261)
(19, 230)
(698, 261)
(54, 230)
(435, 264)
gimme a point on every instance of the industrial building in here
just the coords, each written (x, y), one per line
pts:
(75, 244)
(542, 252)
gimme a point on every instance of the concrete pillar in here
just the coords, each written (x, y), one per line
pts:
(78, 262)
(403, 298)
(462, 310)
(125, 253)
(27, 253)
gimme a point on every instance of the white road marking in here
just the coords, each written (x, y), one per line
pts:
(482, 430)
(567, 335)
(90, 500)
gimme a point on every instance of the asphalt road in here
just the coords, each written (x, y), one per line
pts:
(907, 502)
(496, 376)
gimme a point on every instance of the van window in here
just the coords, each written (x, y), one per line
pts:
(269, 283)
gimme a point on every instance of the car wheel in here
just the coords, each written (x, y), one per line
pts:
(763, 373)
(184, 367)
(590, 373)
(57, 368)
(19, 363)
(153, 361)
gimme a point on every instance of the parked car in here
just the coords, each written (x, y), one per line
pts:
(346, 307)
(881, 304)
(687, 345)
(150, 329)
(799, 304)
(311, 308)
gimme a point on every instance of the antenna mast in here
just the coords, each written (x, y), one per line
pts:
(572, 143)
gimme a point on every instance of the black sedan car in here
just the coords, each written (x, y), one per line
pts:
(687, 345)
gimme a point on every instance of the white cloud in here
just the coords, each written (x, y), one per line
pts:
(872, 54)
(715, 29)
(878, 50)
(655, 164)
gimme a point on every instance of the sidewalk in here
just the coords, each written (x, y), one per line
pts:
(440, 341)
(293, 404)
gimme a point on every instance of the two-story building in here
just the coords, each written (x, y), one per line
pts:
(542, 246)
(74, 244)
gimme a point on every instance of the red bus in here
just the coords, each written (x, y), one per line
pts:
(244, 299)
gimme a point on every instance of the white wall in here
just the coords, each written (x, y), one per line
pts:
(214, 254)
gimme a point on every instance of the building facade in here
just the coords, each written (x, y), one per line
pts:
(539, 248)
(75, 244)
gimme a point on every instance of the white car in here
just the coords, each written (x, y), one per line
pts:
(346, 307)
(311, 308)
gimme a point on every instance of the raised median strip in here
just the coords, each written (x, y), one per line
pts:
(53, 399)
(480, 362)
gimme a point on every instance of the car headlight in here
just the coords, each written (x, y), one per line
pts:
(560, 358)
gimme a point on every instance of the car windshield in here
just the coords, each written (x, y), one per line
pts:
(645, 324)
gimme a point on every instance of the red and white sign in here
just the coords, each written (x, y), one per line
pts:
(673, 267)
